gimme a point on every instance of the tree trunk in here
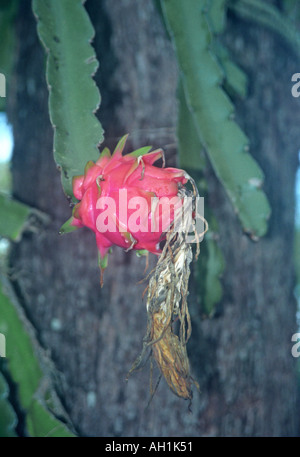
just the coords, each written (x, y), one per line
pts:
(242, 356)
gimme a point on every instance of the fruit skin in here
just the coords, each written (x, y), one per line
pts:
(135, 176)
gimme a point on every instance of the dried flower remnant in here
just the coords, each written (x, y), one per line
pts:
(166, 303)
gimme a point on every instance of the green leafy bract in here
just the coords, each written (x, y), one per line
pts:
(25, 368)
(66, 32)
(212, 111)
(8, 417)
(13, 217)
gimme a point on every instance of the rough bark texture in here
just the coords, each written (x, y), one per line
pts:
(242, 356)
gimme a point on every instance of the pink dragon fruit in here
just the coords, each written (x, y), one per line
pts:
(120, 199)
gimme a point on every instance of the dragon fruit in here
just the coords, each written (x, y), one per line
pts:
(120, 199)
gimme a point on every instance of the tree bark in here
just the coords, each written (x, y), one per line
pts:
(242, 356)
